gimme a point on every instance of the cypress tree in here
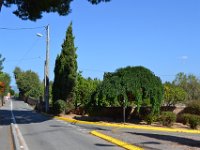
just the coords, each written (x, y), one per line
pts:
(65, 70)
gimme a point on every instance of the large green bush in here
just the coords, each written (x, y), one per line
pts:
(59, 106)
(127, 85)
(167, 118)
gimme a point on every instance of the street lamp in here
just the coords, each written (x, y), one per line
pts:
(46, 70)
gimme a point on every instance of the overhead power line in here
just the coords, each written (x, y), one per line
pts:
(32, 28)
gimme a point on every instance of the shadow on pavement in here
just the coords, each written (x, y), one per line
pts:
(5, 117)
(104, 145)
(22, 117)
(179, 140)
(29, 116)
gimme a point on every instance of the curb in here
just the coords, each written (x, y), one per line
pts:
(14, 137)
(162, 129)
(116, 141)
(18, 140)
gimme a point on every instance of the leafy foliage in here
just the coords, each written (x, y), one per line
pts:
(184, 118)
(59, 106)
(150, 118)
(130, 84)
(194, 121)
(2, 88)
(173, 94)
(5, 83)
(12, 92)
(33, 9)
(193, 107)
(28, 83)
(4, 79)
(1, 63)
(84, 90)
(167, 118)
(64, 85)
(190, 83)
(191, 119)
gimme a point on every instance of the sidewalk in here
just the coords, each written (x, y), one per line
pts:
(6, 142)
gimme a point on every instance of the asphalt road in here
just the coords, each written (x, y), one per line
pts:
(5, 129)
(43, 133)
(151, 140)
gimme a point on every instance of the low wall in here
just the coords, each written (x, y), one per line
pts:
(32, 102)
(131, 112)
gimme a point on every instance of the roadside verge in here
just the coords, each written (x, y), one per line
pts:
(162, 129)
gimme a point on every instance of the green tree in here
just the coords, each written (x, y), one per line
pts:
(173, 94)
(84, 89)
(28, 83)
(65, 71)
(1, 63)
(4, 85)
(33, 9)
(11, 91)
(132, 84)
(5, 78)
(190, 83)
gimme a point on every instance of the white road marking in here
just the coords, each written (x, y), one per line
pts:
(20, 138)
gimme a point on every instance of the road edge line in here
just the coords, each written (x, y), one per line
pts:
(116, 141)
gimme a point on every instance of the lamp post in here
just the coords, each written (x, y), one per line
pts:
(46, 70)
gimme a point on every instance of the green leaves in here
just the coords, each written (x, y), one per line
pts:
(135, 84)
(190, 83)
(28, 83)
(173, 94)
(65, 79)
(32, 10)
(84, 89)
(5, 79)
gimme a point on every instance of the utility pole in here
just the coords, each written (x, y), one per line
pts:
(124, 111)
(46, 79)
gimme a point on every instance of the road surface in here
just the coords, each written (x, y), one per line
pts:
(5, 130)
(43, 133)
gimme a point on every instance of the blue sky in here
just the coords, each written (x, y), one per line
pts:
(162, 35)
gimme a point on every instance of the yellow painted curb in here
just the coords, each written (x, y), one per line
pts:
(163, 129)
(115, 141)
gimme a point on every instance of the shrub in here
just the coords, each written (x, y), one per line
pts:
(167, 118)
(59, 106)
(184, 118)
(69, 107)
(193, 107)
(194, 121)
(150, 118)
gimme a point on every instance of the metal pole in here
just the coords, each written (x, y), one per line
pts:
(47, 71)
(44, 101)
(124, 112)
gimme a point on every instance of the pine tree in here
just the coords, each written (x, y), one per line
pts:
(65, 71)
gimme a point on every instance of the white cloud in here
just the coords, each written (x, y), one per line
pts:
(184, 57)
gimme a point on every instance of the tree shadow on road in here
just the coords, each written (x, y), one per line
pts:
(171, 138)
